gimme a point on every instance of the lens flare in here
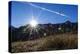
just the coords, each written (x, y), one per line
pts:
(33, 23)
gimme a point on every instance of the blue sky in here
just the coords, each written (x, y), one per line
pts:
(22, 12)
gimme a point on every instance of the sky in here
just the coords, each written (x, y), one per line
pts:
(43, 13)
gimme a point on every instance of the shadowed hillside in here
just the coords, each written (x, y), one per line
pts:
(24, 33)
(43, 37)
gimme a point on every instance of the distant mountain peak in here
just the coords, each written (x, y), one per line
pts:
(68, 22)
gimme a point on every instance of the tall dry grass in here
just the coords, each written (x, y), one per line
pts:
(54, 42)
(62, 41)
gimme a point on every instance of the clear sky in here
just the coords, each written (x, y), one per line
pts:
(22, 12)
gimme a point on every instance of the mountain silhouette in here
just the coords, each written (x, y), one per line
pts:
(24, 33)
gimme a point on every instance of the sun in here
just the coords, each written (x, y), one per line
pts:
(33, 23)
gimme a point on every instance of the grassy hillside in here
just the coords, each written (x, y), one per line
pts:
(56, 42)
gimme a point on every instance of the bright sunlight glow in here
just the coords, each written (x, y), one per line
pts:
(33, 23)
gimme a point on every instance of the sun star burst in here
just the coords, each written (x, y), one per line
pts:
(33, 23)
